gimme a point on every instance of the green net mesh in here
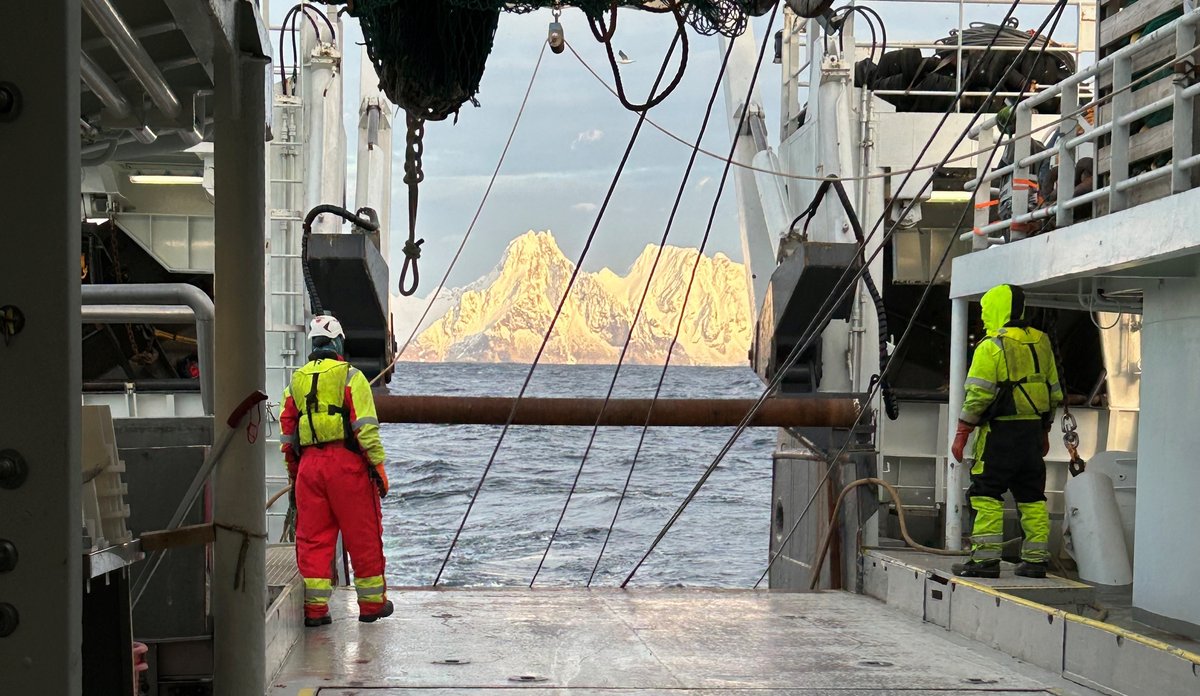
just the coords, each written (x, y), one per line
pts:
(430, 54)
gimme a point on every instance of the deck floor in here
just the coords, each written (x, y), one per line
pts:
(646, 641)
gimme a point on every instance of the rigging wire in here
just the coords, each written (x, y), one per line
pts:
(745, 112)
(892, 173)
(972, 154)
(558, 311)
(831, 302)
(1056, 12)
(687, 173)
(605, 35)
(812, 331)
(471, 227)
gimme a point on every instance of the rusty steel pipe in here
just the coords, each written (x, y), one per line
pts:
(488, 410)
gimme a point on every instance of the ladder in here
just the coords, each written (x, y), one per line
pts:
(286, 301)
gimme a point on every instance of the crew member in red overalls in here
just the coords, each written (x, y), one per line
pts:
(335, 460)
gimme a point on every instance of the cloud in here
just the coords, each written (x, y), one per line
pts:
(584, 207)
(587, 136)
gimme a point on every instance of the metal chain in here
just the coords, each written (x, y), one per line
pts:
(1068, 424)
(413, 176)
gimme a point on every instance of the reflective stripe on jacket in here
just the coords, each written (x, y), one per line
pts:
(1013, 375)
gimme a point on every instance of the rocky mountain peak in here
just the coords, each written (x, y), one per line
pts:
(503, 316)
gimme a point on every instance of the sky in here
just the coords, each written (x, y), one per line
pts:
(573, 133)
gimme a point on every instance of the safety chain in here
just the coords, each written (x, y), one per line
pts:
(1069, 425)
(413, 176)
(1071, 441)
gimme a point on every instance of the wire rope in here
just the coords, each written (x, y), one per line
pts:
(471, 227)
(1073, 115)
(558, 312)
(636, 316)
(1056, 12)
(831, 302)
(691, 282)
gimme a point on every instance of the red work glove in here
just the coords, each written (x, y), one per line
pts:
(960, 440)
(381, 480)
(1045, 442)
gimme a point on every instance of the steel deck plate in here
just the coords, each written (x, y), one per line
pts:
(646, 641)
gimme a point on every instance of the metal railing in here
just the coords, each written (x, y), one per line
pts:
(1124, 114)
(796, 54)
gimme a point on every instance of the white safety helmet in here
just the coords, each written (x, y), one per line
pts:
(325, 326)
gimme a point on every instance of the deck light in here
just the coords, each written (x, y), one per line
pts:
(165, 179)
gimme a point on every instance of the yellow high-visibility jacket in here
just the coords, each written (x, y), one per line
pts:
(329, 401)
(1013, 375)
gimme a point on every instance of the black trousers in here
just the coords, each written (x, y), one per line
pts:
(1012, 460)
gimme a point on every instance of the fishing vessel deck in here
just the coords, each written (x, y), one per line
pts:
(646, 641)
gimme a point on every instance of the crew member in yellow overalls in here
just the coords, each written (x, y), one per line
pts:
(1012, 391)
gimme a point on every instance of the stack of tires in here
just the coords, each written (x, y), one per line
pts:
(909, 70)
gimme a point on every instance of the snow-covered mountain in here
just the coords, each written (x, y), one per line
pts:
(503, 316)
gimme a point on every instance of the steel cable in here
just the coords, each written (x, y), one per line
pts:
(745, 112)
(1056, 12)
(890, 174)
(558, 311)
(831, 302)
(632, 325)
(471, 227)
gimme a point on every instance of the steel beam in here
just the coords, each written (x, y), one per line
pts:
(239, 581)
(487, 410)
(41, 596)
(958, 378)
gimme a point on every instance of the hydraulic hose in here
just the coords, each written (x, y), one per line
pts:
(890, 404)
(369, 223)
(895, 495)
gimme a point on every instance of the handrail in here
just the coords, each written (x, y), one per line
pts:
(1121, 100)
(122, 295)
(1101, 66)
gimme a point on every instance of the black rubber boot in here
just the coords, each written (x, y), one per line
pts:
(989, 568)
(1032, 569)
(383, 613)
(314, 623)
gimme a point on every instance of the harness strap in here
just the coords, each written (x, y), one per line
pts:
(311, 404)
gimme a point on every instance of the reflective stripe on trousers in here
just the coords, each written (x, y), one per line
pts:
(987, 536)
(317, 592)
(1035, 522)
(371, 590)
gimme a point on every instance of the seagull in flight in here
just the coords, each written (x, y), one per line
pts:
(624, 59)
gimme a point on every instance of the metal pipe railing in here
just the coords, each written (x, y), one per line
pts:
(111, 96)
(1121, 151)
(777, 412)
(1101, 66)
(110, 23)
(170, 294)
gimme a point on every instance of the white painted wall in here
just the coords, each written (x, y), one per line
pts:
(1168, 512)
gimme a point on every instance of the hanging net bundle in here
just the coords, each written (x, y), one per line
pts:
(430, 54)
